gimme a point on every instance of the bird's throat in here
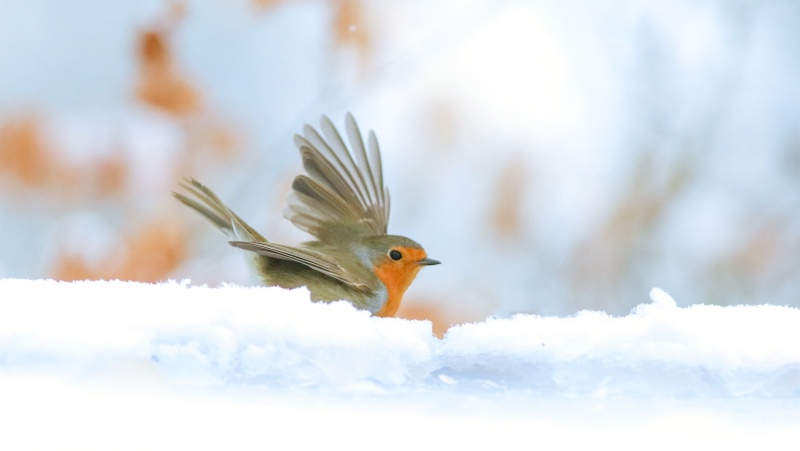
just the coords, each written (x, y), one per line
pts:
(396, 277)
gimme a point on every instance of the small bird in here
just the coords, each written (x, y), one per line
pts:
(345, 205)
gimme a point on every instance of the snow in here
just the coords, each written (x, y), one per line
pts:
(99, 365)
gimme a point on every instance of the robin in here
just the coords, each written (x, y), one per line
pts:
(345, 205)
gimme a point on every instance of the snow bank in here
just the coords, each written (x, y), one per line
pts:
(206, 336)
(658, 349)
(167, 352)
(268, 336)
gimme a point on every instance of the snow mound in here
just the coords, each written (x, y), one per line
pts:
(122, 365)
(658, 349)
(268, 337)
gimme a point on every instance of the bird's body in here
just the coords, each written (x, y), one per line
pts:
(344, 204)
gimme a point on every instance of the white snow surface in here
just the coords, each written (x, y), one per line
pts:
(102, 365)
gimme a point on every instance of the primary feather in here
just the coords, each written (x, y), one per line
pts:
(343, 186)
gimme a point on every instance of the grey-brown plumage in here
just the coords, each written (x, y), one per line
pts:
(343, 202)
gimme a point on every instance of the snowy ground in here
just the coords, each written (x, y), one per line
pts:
(110, 365)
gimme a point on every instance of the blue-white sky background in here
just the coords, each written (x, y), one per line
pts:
(555, 156)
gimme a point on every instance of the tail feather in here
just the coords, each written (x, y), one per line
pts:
(202, 200)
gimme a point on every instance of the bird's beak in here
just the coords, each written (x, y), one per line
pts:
(428, 262)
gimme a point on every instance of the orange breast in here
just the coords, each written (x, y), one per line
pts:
(397, 276)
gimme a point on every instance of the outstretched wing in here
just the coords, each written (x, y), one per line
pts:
(343, 186)
(317, 261)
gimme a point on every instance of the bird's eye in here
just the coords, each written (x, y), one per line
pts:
(395, 254)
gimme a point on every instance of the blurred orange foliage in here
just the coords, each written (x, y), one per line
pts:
(263, 5)
(442, 316)
(213, 138)
(152, 251)
(27, 158)
(148, 255)
(512, 183)
(161, 84)
(350, 28)
(23, 154)
(420, 310)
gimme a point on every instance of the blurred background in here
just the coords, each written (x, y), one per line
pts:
(556, 156)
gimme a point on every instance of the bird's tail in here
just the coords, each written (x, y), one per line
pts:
(202, 200)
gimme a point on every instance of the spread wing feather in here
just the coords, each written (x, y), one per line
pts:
(377, 173)
(341, 153)
(344, 185)
(367, 177)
